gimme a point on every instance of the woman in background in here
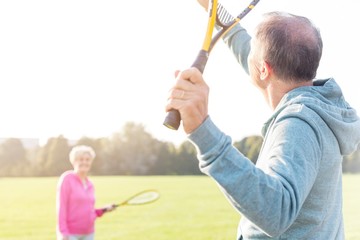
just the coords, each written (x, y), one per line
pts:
(75, 201)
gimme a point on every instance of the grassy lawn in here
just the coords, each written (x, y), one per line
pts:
(190, 207)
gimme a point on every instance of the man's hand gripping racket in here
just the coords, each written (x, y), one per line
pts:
(225, 21)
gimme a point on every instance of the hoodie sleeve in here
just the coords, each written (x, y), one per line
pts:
(63, 191)
(271, 194)
(238, 41)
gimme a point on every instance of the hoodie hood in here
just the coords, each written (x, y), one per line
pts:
(326, 99)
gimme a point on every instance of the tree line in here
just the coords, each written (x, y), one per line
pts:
(132, 151)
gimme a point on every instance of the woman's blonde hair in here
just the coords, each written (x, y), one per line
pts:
(79, 150)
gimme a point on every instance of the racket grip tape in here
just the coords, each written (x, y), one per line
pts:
(105, 209)
(201, 60)
(173, 118)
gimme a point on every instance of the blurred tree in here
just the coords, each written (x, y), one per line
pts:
(166, 152)
(139, 151)
(186, 162)
(132, 151)
(250, 147)
(13, 158)
(54, 157)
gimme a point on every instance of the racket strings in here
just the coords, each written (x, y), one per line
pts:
(143, 198)
(223, 16)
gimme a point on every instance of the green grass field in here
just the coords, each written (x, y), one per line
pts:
(190, 208)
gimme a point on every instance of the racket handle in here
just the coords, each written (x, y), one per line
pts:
(201, 60)
(105, 209)
(173, 118)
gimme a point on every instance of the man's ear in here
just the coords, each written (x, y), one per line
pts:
(265, 70)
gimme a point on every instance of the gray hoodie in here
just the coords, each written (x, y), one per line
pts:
(295, 189)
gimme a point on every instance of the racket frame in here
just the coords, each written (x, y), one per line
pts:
(173, 117)
(126, 202)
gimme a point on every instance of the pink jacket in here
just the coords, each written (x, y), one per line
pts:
(75, 205)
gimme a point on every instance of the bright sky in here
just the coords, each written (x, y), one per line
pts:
(85, 68)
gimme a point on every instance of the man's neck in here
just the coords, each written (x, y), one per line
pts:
(276, 90)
